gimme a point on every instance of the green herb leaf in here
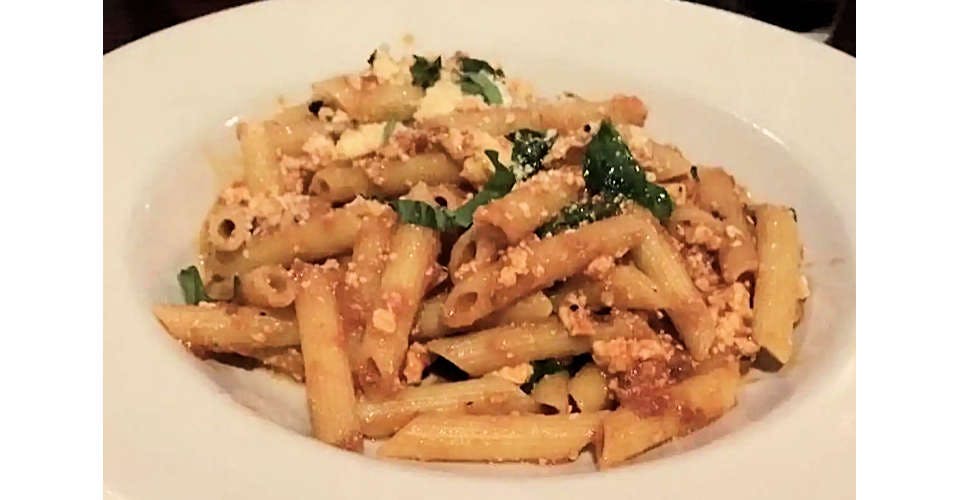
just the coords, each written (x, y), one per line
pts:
(388, 130)
(192, 286)
(498, 186)
(424, 214)
(608, 167)
(529, 149)
(479, 83)
(425, 72)
(598, 207)
(443, 219)
(373, 56)
(471, 65)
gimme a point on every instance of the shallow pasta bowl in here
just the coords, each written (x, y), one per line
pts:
(777, 110)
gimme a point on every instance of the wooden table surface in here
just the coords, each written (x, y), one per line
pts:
(128, 20)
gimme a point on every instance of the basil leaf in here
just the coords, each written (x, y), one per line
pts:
(529, 149)
(424, 214)
(425, 72)
(443, 219)
(498, 186)
(481, 84)
(192, 286)
(572, 216)
(471, 65)
(608, 167)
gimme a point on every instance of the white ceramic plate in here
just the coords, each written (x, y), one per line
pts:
(774, 107)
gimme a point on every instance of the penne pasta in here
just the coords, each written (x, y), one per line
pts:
(564, 116)
(716, 191)
(624, 287)
(343, 182)
(285, 361)
(469, 253)
(777, 296)
(261, 167)
(268, 286)
(228, 328)
(532, 308)
(413, 250)
(553, 391)
(329, 384)
(289, 137)
(228, 228)
(488, 350)
(625, 435)
(324, 234)
(531, 204)
(588, 388)
(533, 266)
(369, 104)
(656, 257)
(486, 395)
(487, 438)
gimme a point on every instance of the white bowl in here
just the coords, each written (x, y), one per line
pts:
(775, 108)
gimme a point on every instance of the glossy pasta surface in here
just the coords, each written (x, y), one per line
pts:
(472, 272)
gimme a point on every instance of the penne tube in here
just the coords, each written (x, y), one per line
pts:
(488, 350)
(494, 438)
(329, 384)
(324, 234)
(777, 295)
(290, 137)
(697, 400)
(469, 253)
(358, 291)
(659, 260)
(588, 388)
(227, 327)
(413, 252)
(716, 191)
(572, 114)
(533, 266)
(625, 287)
(552, 391)
(529, 205)
(268, 286)
(228, 228)
(370, 104)
(343, 182)
(529, 309)
(625, 435)
(261, 167)
(486, 395)
(565, 116)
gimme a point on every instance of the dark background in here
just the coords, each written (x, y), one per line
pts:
(128, 20)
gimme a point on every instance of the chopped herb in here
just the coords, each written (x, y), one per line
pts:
(388, 130)
(599, 207)
(373, 56)
(314, 107)
(443, 219)
(529, 149)
(794, 212)
(608, 167)
(192, 286)
(425, 72)
(480, 84)
(471, 65)
(541, 368)
(695, 173)
(424, 214)
(498, 186)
